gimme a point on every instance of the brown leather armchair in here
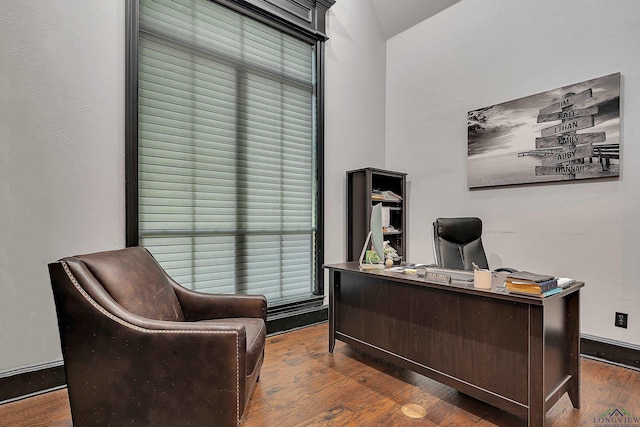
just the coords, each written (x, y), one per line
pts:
(140, 349)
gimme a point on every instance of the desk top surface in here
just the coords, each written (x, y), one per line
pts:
(463, 286)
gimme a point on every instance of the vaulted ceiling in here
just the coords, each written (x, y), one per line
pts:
(395, 16)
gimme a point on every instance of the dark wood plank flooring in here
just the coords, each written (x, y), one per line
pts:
(303, 385)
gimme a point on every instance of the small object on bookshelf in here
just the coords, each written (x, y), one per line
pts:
(385, 196)
(386, 218)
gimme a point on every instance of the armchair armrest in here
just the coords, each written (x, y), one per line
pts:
(201, 306)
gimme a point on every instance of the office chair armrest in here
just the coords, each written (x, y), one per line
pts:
(505, 269)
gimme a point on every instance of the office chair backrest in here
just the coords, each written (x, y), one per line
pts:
(457, 243)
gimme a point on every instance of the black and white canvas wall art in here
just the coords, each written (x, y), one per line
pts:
(567, 134)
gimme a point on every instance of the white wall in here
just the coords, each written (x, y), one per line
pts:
(476, 54)
(355, 109)
(62, 143)
(61, 157)
(62, 146)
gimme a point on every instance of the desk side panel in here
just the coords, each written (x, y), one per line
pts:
(562, 349)
(471, 338)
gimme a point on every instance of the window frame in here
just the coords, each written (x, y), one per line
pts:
(315, 38)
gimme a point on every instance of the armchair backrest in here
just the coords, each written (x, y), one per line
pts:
(457, 243)
(135, 280)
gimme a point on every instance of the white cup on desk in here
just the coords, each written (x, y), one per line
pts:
(482, 279)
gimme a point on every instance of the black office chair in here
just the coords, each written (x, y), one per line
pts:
(457, 244)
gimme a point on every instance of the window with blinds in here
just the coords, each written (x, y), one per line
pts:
(227, 154)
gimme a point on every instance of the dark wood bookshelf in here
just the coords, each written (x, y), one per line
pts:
(361, 183)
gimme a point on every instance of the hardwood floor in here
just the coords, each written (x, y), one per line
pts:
(45, 410)
(303, 385)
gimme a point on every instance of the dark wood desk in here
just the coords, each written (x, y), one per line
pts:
(518, 353)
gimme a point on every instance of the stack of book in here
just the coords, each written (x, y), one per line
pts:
(385, 196)
(526, 283)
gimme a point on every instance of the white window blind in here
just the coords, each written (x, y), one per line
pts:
(226, 150)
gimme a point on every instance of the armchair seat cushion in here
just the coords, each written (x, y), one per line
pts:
(256, 336)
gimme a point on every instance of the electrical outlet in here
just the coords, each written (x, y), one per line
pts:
(621, 320)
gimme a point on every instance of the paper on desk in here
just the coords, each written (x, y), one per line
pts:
(564, 282)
